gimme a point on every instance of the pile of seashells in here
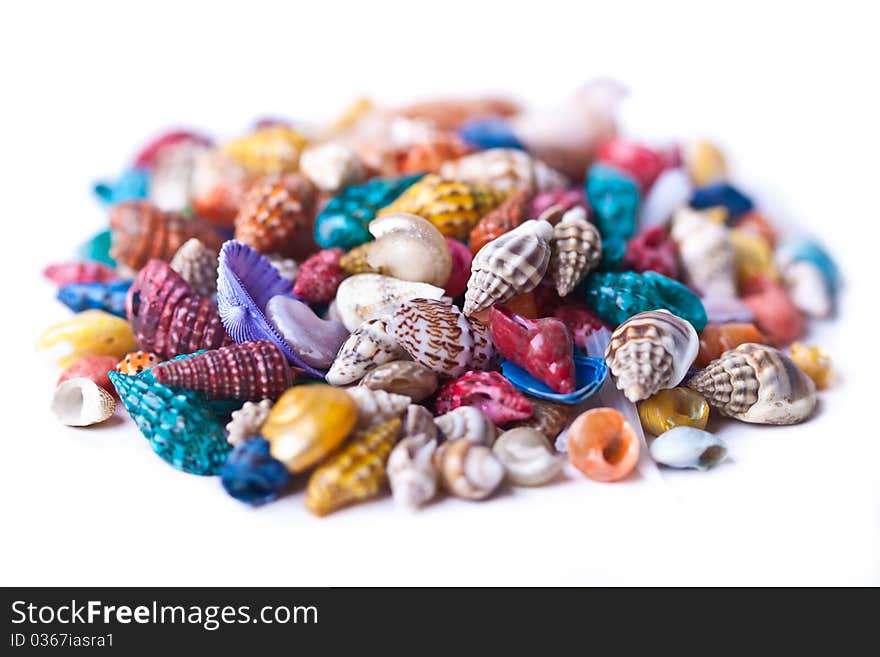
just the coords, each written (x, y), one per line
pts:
(446, 296)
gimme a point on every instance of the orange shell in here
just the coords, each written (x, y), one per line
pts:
(429, 155)
(715, 339)
(603, 445)
(448, 114)
(522, 304)
(507, 216)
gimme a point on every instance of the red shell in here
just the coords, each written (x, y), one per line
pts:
(642, 163)
(277, 215)
(94, 368)
(320, 276)
(142, 231)
(580, 320)
(507, 216)
(775, 312)
(542, 347)
(461, 268)
(167, 318)
(488, 391)
(429, 155)
(564, 198)
(149, 153)
(220, 204)
(250, 371)
(89, 271)
(653, 250)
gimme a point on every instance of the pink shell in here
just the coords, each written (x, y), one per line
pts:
(461, 268)
(94, 368)
(89, 271)
(319, 277)
(488, 391)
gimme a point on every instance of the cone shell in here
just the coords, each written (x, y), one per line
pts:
(437, 335)
(247, 420)
(506, 169)
(369, 296)
(502, 219)
(468, 470)
(355, 473)
(377, 406)
(575, 250)
(756, 383)
(141, 231)
(469, 423)
(80, 402)
(706, 252)
(368, 347)
(197, 265)
(651, 351)
(510, 265)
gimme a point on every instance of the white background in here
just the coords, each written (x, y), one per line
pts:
(790, 91)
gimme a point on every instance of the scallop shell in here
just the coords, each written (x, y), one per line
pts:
(403, 377)
(575, 250)
(651, 351)
(505, 169)
(409, 248)
(437, 335)
(369, 296)
(527, 456)
(368, 347)
(467, 422)
(411, 473)
(688, 447)
(332, 166)
(377, 406)
(468, 470)
(197, 265)
(80, 402)
(247, 420)
(756, 383)
(706, 252)
(512, 264)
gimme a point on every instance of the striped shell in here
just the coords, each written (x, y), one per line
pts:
(756, 383)
(505, 169)
(512, 264)
(575, 250)
(369, 296)
(651, 351)
(377, 406)
(369, 346)
(502, 219)
(706, 253)
(437, 335)
(467, 422)
(197, 265)
(468, 470)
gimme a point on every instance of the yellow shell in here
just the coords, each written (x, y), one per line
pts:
(453, 207)
(705, 163)
(355, 261)
(307, 423)
(814, 362)
(674, 407)
(754, 255)
(90, 333)
(275, 149)
(354, 473)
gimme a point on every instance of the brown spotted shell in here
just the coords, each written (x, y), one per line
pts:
(369, 346)
(576, 248)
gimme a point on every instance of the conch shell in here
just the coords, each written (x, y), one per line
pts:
(409, 248)
(370, 296)
(706, 251)
(576, 248)
(505, 169)
(368, 347)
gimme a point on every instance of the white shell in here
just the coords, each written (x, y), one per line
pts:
(706, 252)
(368, 296)
(409, 248)
(286, 267)
(80, 402)
(505, 169)
(411, 473)
(247, 420)
(527, 457)
(468, 470)
(418, 422)
(808, 289)
(467, 422)
(576, 248)
(368, 347)
(331, 166)
(688, 447)
(197, 265)
(672, 190)
(376, 406)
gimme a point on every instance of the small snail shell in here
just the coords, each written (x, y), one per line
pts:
(411, 473)
(468, 470)
(467, 423)
(527, 457)
(418, 421)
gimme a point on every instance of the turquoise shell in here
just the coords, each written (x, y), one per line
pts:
(614, 199)
(805, 249)
(590, 373)
(617, 296)
(132, 185)
(344, 220)
(97, 248)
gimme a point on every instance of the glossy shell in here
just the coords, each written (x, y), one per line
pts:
(603, 445)
(675, 407)
(403, 377)
(589, 372)
(371, 296)
(409, 248)
(137, 362)
(507, 216)
(368, 347)
(527, 456)
(80, 402)
(488, 391)
(715, 339)
(314, 340)
(688, 447)
(89, 333)
(814, 362)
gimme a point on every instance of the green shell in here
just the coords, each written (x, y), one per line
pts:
(614, 199)
(97, 248)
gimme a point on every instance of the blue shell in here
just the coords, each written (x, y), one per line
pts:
(97, 248)
(251, 475)
(805, 249)
(109, 297)
(724, 195)
(614, 199)
(132, 185)
(590, 373)
(489, 132)
(246, 281)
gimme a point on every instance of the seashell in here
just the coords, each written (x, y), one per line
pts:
(197, 265)
(368, 347)
(651, 351)
(355, 261)
(418, 422)
(614, 198)
(90, 367)
(343, 221)
(148, 156)
(171, 182)
(80, 402)
(370, 296)
(437, 335)
(753, 256)
(757, 223)
(247, 420)
(775, 312)
(167, 318)
(637, 160)
(512, 264)
(314, 340)
(652, 250)
(507, 216)
(273, 149)
(687, 447)
(707, 253)
(726, 310)
(356, 472)
(603, 445)
(461, 268)
(550, 418)
(589, 373)
(579, 319)
(132, 185)
(320, 276)
(705, 162)
(276, 216)
(137, 362)
(468, 470)
(402, 377)
(90, 333)
(810, 275)
(97, 248)
(250, 370)
(287, 268)
(527, 456)
(756, 383)
(307, 423)
(489, 132)
(179, 424)
(488, 391)
(506, 169)
(109, 297)
(674, 407)
(814, 362)
(218, 186)
(377, 406)
(428, 154)
(251, 475)
(468, 423)
(454, 207)
(245, 284)
(576, 248)
(140, 231)
(672, 190)
(409, 248)
(715, 339)
(90, 271)
(561, 198)
(723, 195)
(449, 114)
(410, 472)
(332, 166)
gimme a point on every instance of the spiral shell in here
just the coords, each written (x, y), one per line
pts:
(411, 472)
(368, 347)
(370, 296)
(403, 377)
(505, 169)
(651, 351)
(377, 406)
(502, 219)
(575, 250)
(512, 264)
(247, 420)
(756, 383)
(197, 265)
(469, 423)
(468, 470)
(409, 248)
(419, 423)
(706, 252)
(80, 402)
(527, 457)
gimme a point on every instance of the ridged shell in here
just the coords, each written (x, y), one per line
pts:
(368, 347)
(268, 150)
(411, 472)
(575, 250)
(197, 265)
(403, 377)
(467, 422)
(377, 406)
(505, 169)
(409, 248)
(247, 420)
(706, 253)
(651, 351)
(512, 264)
(756, 383)
(502, 219)
(369, 296)
(550, 418)
(437, 335)
(527, 456)
(468, 470)
(80, 402)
